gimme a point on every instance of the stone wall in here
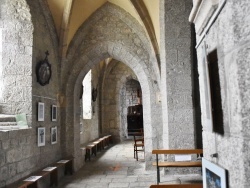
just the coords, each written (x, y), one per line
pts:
(114, 112)
(132, 86)
(17, 41)
(26, 37)
(229, 37)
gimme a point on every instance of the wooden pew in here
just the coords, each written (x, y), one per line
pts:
(159, 164)
(68, 168)
(177, 186)
(93, 147)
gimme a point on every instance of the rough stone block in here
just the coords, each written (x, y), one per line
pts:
(14, 155)
(5, 144)
(4, 135)
(2, 158)
(27, 151)
(2, 183)
(22, 166)
(14, 143)
(4, 173)
(12, 169)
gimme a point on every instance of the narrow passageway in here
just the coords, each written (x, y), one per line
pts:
(116, 167)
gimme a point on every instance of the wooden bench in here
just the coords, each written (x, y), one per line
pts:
(178, 186)
(68, 168)
(159, 164)
(93, 147)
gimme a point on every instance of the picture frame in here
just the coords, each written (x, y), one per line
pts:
(53, 113)
(41, 136)
(53, 135)
(213, 175)
(207, 101)
(40, 111)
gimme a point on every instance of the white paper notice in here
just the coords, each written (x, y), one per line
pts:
(63, 161)
(182, 157)
(32, 178)
(48, 169)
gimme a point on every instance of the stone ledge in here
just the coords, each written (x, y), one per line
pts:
(12, 128)
(6, 124)
(7, 118)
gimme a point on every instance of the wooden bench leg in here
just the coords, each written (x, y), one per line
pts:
(87, 155)
(33, 185)
(158, 175)
(54, 178)
(94, 150)
(136, 151)
(69, 167)
(158, 170)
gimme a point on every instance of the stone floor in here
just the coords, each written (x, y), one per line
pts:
(116, 167)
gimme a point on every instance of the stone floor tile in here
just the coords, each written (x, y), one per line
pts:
(97, 185)
(128, 179)
(116, 167)
(117, 185)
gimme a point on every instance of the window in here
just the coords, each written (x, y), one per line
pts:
(1, 68)
(86, 97)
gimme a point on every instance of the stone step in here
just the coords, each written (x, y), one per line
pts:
(7, 118)
(8, 124)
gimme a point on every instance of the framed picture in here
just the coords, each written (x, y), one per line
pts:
(41, 136)
(206, 91)
(213, 175)
(53, 135)
(40, 111)
(53, 113)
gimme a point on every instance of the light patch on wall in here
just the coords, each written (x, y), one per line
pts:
(1, 66)
(86, 97)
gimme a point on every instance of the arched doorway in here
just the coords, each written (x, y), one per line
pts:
(128, 45)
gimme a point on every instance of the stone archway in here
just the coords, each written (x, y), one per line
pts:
(117, 78)
(126, 44)
(123, 105)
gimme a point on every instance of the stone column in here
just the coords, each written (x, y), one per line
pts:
(178, 125)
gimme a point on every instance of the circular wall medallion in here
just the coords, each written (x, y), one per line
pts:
(43, 72)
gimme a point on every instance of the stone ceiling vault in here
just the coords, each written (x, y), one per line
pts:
(69, 15)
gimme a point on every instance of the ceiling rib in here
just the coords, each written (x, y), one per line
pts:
(146, 19)
(64, 30)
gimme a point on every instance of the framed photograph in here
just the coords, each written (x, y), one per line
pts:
(40, 111)
(206, 91)
(53, 113)
(53, 135)
(213, 175)
(41, 136)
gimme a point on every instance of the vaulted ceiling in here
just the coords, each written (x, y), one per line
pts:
(69, 15)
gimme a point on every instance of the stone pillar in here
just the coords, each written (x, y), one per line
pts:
(178, 125)
(16, 61)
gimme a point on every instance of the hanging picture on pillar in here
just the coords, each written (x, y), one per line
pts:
(40, 111)
(41, 136)
(53, 135)
(207, 107)
(53, 113)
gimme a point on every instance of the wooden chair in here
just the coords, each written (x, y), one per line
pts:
(138, 145)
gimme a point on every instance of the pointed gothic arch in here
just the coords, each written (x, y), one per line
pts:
(126, 43)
